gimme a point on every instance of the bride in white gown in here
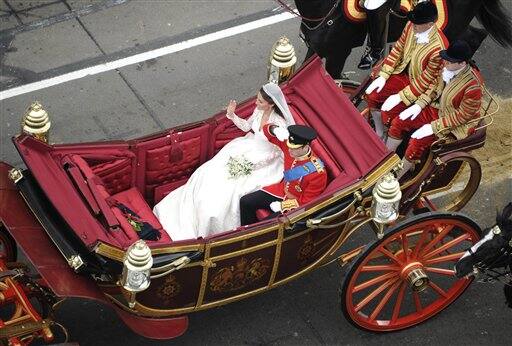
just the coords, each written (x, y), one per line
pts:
(209, 203)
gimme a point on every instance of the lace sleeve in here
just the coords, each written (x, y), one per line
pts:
(242, 124)
(278, 120)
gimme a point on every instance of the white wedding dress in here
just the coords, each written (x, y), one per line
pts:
(209, 203)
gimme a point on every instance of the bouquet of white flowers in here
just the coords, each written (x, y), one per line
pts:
(239, 167)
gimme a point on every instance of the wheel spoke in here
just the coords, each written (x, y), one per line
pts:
(419, 244)
(447, 258)
(379, 268)
(448, 272)
(417, 301)
(398, 303)
(384, 300)
(374, 294)
(374, 281)
(438, 289)
(387, 253)
(405, 246)
(430, 204)
(446, 246)
(437, 238)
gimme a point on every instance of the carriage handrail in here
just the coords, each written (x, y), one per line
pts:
(316, 223)
(437, 145)
(174, 265)
(491, 100)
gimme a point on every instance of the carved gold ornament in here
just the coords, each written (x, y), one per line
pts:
(240, 275)
(307, 248)
(169, 289)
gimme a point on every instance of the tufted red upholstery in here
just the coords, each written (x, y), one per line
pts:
(173, 158)
(164, 190)
(116, 174)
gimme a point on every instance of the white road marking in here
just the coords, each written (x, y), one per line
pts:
(135, 59)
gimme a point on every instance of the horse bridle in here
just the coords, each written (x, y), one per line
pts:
(321, 19)
(503, 275)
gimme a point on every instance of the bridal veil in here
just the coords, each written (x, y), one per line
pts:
(275, 93)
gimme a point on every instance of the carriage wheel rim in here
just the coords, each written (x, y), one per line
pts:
(7, 247)
(394, 282)
(463, 196)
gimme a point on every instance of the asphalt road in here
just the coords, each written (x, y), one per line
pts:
(42, 39)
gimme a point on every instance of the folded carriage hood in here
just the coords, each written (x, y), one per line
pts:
(38, 247)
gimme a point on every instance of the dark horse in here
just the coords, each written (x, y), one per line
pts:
(334, 37)
(492, 255)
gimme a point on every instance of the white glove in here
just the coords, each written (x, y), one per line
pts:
(411, 112)
(376, 84)
(391, 102)
(281, 133)
(424, 131)
(275, 206)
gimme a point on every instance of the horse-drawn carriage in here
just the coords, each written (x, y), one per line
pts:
(59, 212)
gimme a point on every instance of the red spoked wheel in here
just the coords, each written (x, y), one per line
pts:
(8, 249)
(408, 276)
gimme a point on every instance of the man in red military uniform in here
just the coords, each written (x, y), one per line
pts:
(410, 69)
(304, 175)
(460, 87)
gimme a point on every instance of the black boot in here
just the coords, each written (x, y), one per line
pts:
(377, 23)
(369, 58)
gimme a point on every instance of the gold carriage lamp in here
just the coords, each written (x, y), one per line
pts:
(282, 61)
(36, 122)
(137, 265)
(386, 200)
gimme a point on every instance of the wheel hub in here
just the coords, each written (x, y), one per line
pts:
(418, 279)
(416, 276)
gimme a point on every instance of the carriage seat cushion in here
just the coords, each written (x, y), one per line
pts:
(164, 190)
(132, 198)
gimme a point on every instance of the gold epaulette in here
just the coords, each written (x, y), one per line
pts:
(289, 204)
(318, 165)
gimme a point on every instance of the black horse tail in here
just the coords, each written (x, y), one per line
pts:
(495, 19)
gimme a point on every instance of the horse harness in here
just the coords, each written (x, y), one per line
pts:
(321, 20)
(492, 275)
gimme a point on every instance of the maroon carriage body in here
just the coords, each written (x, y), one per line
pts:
(77, 181)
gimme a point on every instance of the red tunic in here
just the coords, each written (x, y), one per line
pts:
(411, 71)
(301, 190)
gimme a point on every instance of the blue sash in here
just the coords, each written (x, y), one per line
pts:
(301, 171)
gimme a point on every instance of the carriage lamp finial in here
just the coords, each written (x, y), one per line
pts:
(282, 61)
(386, 199)
(137, 265)
(36, 122)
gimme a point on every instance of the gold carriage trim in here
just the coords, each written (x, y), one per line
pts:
(169, 289)
(239, 276)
